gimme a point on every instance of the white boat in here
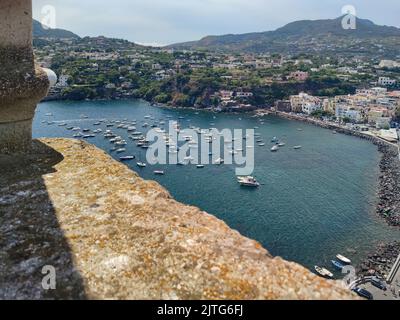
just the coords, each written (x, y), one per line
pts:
(343, 259)
(274, 148)
(120, 150)
(127, 158)
(281, 144)
(297, 147)
(248, 181)
(219, 161)
(159, 172)
(141, 164)
(261, 144)
(200, 166)
(324, 272)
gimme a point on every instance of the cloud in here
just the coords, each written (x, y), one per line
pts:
(169, 21)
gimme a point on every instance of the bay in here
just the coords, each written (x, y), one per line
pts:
(313, 203)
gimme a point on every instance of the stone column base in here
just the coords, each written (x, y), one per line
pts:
(15, 136)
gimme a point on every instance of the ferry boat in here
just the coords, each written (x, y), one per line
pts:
(324, 272)
(343, 259)
(248, 181)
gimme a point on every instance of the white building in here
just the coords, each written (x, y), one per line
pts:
(310, 107)
(345, 111)
(389, 64)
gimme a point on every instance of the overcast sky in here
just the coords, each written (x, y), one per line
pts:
(170, 21)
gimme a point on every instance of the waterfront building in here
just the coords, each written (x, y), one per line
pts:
(305, 103)
(353, 113)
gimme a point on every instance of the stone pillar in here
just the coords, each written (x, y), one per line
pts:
(22, 85)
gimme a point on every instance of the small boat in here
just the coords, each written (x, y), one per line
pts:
(274, 139)
(141, 164)
(127, 158)
(248, 181)
(343, 259)
(337, 265)
(200, 166)
(281, 144)
(261, 144)
(159, 172)
(297, 147)
(219, 161)
(274, 149)
(120, 150)
(324, 272)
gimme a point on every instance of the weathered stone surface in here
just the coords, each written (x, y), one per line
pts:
(112, 235)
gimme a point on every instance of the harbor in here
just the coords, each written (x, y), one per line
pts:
(298, 197)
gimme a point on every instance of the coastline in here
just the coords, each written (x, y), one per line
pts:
(380, 260)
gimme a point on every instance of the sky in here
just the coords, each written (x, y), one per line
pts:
(161, 22)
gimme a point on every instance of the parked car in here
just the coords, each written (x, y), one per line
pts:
(376, 282)
(363, 293)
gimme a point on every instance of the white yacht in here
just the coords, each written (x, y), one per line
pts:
(141, 164)
(248, 181)
(274, 148)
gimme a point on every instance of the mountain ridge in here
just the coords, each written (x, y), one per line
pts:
(40, 32)
(297, 32)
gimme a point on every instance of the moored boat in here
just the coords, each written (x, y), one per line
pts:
(323, 272)
(141, 164)
(248, 181)
(127, 158)
(338, 265)
(343, 259)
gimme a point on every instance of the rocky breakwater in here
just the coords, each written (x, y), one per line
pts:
(389, 185)
(108, 234)
(381, 261)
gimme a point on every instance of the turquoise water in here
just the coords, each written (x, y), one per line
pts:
(313, 203)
